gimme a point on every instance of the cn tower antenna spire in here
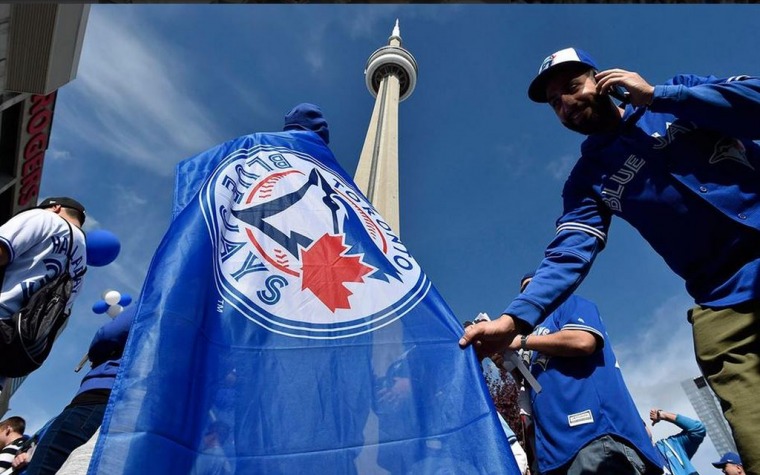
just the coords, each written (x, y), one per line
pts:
(396, 33)
(390, 76)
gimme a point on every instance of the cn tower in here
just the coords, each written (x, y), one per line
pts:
(390, 74)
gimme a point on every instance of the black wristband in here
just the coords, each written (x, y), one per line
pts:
(524, 342)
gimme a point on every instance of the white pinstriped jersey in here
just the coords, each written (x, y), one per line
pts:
(37, 242)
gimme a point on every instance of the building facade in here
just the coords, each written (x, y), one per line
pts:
(708, 410)
(40, 46)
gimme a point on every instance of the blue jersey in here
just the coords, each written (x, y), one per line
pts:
(583, 398)
(680, 448)
(685, 173)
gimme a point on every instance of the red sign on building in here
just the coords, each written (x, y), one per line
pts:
(33, 142)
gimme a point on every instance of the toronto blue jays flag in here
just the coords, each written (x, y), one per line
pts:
(284, 328)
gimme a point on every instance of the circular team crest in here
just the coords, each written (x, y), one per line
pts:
(300, 252)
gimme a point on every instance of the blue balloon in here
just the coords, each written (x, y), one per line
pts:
(100, 307)
(102, 247)
(126, 299)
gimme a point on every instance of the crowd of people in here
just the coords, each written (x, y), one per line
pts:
(678, 161)
(583, 419)
(36, 247)
(64, 445)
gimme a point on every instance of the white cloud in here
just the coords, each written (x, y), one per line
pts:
(126, 278)
(55, 154)
(315, 58)
(139, 227)
(131, 85)
(560, 168)
(512, 158)
(129, 199)
(35, 415)
(655, 364)
(254, 99)
(361, 22)
(90, 223)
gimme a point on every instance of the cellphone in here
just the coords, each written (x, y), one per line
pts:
(620, 94)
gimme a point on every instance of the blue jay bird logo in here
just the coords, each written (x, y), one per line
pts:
(730, 149)
(357, 254)
(300, 251)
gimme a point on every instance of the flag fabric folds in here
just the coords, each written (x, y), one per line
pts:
(284, 328)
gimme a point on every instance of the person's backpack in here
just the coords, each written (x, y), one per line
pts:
(27, 337)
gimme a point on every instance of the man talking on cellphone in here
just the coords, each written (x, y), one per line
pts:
(678, 162)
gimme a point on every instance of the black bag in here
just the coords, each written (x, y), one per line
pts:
(27, 337)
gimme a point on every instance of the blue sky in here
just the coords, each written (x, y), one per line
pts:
(481, 166)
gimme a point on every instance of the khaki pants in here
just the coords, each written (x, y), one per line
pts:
(727, 345)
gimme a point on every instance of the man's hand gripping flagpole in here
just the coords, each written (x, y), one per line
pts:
(489, 337)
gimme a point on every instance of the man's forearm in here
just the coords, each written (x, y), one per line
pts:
(724, 107)
(569, 343)
(685, 423)
(666, 416)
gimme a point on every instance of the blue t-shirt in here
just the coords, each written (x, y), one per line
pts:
(583, 398)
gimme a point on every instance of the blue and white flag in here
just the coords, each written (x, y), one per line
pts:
(284, 328)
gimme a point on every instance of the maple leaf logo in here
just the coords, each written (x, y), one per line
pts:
(326, 268)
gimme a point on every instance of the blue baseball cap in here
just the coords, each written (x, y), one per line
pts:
(563, 57)
(307, 116)
(728, 457)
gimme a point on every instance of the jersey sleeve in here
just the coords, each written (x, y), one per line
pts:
(24, 231)
(727, 105)
(581, 235)
(581, 314)
(692, 435)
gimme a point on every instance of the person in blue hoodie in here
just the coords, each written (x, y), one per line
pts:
(679, 449)
(679, 163)
(82, 417)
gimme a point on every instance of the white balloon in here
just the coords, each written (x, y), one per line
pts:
(114, 310)
(111, 297)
